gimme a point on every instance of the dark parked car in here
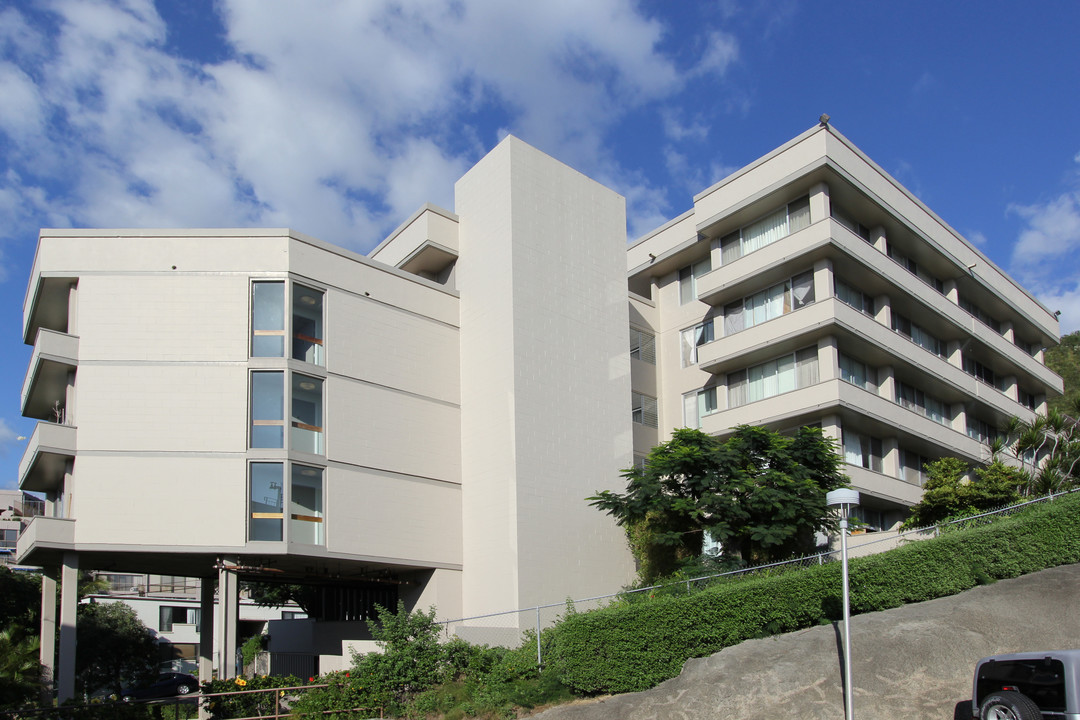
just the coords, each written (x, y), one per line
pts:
(1027, 686)
(167, 685)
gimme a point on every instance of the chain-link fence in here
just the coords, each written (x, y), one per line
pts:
(512, 628)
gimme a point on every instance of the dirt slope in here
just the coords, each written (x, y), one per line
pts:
(911, 663)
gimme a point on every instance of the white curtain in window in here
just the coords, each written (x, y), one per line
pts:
(689, 347)
(734, 318)
(737, 388)
(802, 289)
(730, 248)
(691, 416)
(799, 214)
(853, 449)
(786, 380)
(767, 230)
(807, 362)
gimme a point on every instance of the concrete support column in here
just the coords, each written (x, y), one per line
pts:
(47, 650)
(951, 291)
(819, 203)
(959, 418)
(823, 280)
(206, 628)
(890, 457)
(1011, 387)
(887, 383)
(228, 607)
(69, 601)
(1008, 332)
(828, 359)
(830, 428)
(878, 239)
(954, 354)
(1040, 355)
(883, 310)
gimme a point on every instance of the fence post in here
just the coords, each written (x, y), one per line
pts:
(539, 657)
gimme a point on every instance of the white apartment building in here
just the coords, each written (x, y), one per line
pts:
(425, 423)
(811, 288)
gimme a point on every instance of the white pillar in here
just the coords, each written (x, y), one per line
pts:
(69, 602)
(819, 203)
(828, 359)
(228, 606)
(823, 280)
(878, 239)
(47, 649)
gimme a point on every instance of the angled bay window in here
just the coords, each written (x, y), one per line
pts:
(268, 409)
(307, 413)
(691, 339)
(306, 505)
(268, 319)
(776, 225)
(780, 299)
(784, 374)
(268, 322)
(266, 501)
(307, 325)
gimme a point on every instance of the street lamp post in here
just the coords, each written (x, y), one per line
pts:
(845, 499)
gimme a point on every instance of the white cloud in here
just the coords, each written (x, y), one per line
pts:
(676, 129)
(977, 238)
(338, 122)
(1053, 229)
(1065, 298)
(8, 438)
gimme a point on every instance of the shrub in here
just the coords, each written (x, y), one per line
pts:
(633, 646)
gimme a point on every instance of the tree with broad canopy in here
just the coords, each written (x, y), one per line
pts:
(759, 494)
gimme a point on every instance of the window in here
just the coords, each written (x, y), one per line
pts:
(693, 338)
(855, 298)
(857, 373)
(979, 314)
(1027, 399)
(980, 372)
(697, 405)
(307, 327)
(268, 319)
(912, 398)
(912, 466)
(643, 410)
(915, 269)
(688, 279)
(268, 322)
(9, 538)
(784, 374)
(917, 335)
(169, 615)
(862, 451)
(267, 502)
(979, 430)
(774, 226)
(268, 409)
(643, 345)
(780, 299)
(306, 505)
(844, 219)
(307, 430)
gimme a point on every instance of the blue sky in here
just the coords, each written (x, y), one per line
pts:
(338, 119)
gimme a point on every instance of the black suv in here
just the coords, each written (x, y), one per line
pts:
(1027, 686)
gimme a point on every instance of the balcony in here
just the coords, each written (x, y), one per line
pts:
(832, 396)
(44, 537)
(56, 354)
(46, 457)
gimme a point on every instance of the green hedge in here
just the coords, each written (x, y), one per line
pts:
(633, 646)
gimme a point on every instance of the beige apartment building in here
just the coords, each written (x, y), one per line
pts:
(811, 288)
(425, 423)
